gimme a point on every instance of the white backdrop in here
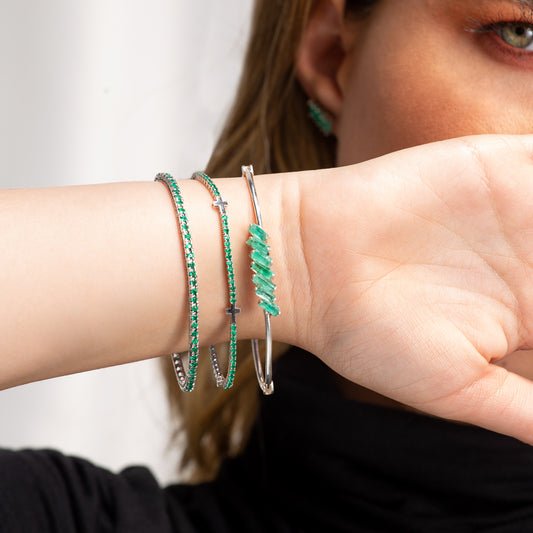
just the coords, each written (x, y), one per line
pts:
(105, 91)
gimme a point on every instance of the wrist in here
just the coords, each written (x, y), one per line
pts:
(279, 198)
(273, 193)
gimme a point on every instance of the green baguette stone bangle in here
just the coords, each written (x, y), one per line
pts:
(264, 287)
(185, 379)
(232, 310)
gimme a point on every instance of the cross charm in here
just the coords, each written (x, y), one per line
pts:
(221, 205)
(233, 310)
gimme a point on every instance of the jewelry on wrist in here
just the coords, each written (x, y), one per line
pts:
(262, 279)
(232, 310)
(186, 380)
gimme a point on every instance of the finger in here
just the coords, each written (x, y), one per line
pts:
(500, 401)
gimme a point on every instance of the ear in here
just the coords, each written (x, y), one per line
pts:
(321, 54)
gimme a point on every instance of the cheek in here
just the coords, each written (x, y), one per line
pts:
(398, 98)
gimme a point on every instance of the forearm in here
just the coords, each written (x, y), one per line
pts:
(94, 275)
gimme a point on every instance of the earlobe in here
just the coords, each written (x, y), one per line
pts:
(321, 55)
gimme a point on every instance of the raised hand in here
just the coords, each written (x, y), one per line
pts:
(418, 277)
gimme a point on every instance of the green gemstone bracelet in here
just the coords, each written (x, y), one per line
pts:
(264, 288)
(185, 379)
(233, 310)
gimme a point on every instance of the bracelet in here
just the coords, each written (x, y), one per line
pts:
(262, 278)
(185, 379)
(233, 310)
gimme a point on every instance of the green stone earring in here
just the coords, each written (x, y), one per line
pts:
(321, 118)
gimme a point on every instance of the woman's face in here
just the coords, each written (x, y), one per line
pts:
(419, 71)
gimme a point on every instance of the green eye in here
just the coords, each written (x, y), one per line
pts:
(519, 36)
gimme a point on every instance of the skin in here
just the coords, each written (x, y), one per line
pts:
(411, 74)
(410, 274)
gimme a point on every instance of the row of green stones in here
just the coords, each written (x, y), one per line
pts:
(319, 117)
(263, 274)
(185, 380)
(233, 310)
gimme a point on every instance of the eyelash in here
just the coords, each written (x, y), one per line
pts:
(495, 25)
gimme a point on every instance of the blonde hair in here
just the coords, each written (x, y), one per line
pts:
(269, 127)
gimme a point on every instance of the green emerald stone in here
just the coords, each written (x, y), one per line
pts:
(270, 308)
(266, 273)
(263, 283)
(258, 245)
(264, 295)
(258, 232)
(264, 261)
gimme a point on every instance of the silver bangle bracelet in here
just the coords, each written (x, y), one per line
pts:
(220, 205)
(186, 380)
(262, 278)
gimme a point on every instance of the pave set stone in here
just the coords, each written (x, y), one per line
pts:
(233, 310)
(186, 380)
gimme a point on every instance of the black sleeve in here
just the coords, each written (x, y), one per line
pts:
(44, 491)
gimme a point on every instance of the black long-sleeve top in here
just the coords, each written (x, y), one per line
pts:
(315, 462)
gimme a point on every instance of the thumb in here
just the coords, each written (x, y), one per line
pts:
(498, 400)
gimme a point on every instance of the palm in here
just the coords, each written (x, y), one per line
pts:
(419, 302)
